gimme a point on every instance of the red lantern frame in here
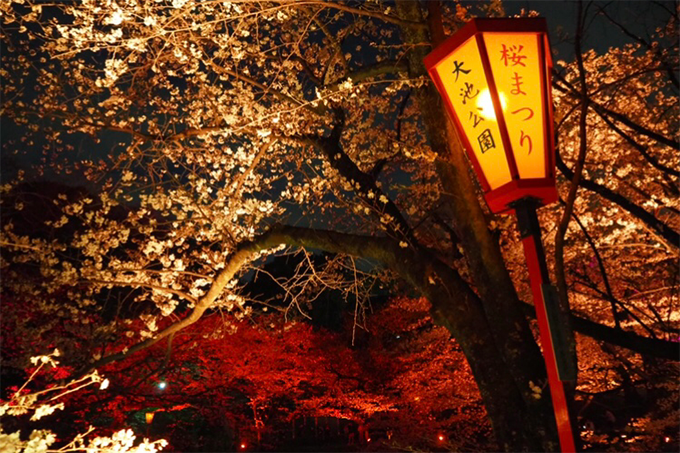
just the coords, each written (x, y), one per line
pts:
(542, 189)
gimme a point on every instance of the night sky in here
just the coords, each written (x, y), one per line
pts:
(600, 34)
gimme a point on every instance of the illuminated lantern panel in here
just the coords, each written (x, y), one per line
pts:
(462, 76)
(494, 77)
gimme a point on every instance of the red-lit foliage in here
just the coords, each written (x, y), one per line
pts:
(404, 382)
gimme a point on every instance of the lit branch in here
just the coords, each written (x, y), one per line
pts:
(382, 249)
(663, 231)
(163, 289)
(332, 5)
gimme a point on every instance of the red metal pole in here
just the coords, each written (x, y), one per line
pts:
(530, 232)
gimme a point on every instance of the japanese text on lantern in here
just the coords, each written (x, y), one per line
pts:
(515, 63)
(462, 75)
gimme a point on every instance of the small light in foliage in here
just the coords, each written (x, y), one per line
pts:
(243, 446)
(441, 438)
(667, 439)
(162, 385)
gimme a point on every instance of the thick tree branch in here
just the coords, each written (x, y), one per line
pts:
(363, 184)
(435, 23)
(240, 258)
(381, 249)
(668, 350)
(370, 71)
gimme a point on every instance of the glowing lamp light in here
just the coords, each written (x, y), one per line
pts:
(162, 385)
(149, 417)
(441, 438)
(243, 446)
(494, 77)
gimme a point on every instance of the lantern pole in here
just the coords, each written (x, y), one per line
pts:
(552, 336)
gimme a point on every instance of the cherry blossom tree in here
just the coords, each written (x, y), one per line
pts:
(213, 135)
(624, 219)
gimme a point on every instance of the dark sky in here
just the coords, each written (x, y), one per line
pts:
(640, 16)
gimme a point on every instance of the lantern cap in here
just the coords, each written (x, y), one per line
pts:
(482, 25)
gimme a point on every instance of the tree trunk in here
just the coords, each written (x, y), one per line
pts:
(510, 359)
(517, 426)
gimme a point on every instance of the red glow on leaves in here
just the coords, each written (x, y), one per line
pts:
(266, 364)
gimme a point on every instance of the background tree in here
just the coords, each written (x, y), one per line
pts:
(405, 383)
(626, 101)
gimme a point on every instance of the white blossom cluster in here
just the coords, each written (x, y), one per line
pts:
(42, 403)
